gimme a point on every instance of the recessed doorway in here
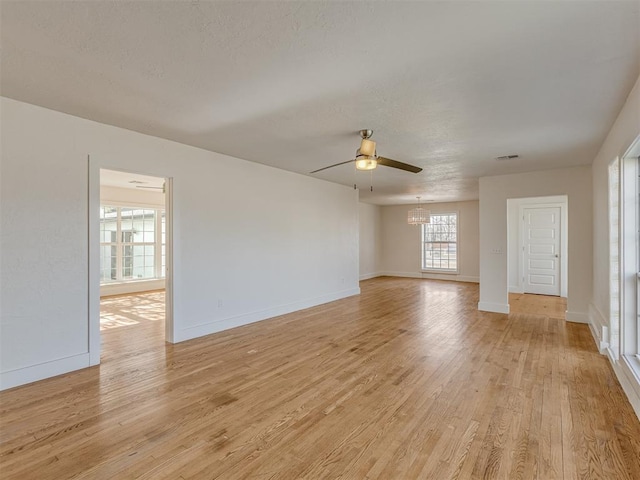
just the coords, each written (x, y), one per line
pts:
(538, 245)
(130, 241)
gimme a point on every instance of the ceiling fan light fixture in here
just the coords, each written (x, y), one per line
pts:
(418, 215)
(366, 162)
(368, 147)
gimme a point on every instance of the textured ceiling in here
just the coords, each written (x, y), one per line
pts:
(447, 86)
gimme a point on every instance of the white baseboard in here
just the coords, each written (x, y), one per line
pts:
(576, 317)
(515, 289)
(402, 274)
(22, 376)
(599, 327)
(493, 307)
(131, 287)
(629, 381)
(232, 322)
(451, 278)
(433, 276)
(367, 276)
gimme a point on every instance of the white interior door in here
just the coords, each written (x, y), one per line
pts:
(541, 250)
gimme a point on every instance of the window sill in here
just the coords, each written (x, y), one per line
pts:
(633, 362)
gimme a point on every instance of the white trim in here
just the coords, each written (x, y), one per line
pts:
(119, 203)
(493, 307)
(93, 200)
(433, 276)
(458, 236)
(367, 276)
(240, 320)
(564, 226)
(95, 164)
(576, 317)
(628, 336)
(546, 201)
(450, 277)
(403, 274)
(134, 286)
(629, 380)
(598, 325)
(22, 376)
(170, 242)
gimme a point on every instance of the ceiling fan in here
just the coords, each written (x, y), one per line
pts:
(367, 159)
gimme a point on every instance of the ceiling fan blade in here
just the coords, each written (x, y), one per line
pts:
(387, 162)
(331, 166)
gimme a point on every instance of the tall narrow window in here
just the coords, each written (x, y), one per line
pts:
(440, 243)
(628, 321)
(637, 232)
(131, 244)
(614, 256)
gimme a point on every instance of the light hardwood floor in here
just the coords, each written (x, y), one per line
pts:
(406, 381)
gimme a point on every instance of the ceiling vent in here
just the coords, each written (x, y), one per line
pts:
(507, 157)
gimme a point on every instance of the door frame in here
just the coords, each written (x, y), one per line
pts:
(518, 243)
(521, 236)
(93, 194)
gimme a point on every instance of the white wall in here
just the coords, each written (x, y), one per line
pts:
(370, 240)
(573, 182)
(514, 240)
(401, 247)
(624, 131)
(250, 241)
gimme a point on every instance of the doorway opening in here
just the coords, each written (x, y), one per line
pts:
(132, 261)
(130, 253)
(538, 245)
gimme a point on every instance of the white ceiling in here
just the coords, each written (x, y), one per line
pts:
(447, 86)
(114, 178)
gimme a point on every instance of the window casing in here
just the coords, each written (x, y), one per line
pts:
(625, 337)
(132, 243)
(440, 243)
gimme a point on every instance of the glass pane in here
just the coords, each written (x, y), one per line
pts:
(126, 215)
(440, 242)
(135, 250)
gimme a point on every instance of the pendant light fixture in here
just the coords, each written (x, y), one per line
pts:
(418, 216)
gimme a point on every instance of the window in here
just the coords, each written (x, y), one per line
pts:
(614, 256)
(625, 328)
(440, 243)
(132, 243)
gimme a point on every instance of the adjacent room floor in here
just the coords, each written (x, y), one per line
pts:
(406, 381)
(130, 324)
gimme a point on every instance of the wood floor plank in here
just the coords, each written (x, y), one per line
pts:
(405, 381)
